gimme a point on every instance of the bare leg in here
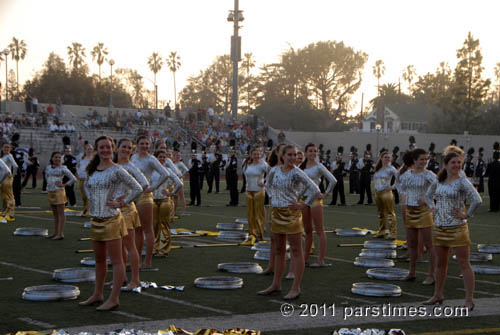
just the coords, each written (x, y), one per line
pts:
(146, 215)
(317, 219)
(427, 235)
(62, 221)
(114, 248)
(308, 230)
(56, 221)
(298, 259)
(463, 254)
(100, 273)
(412, 242)
(442, 254)
(129, 245)
(279, 263)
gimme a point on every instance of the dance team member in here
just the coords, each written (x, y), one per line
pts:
(179, 197)
(81, 174)
(254, 172)
(300, 158)
(284, 183)
(163, 209)
(451, 229)
(414, 184)
(129, 211)
(147, 164)
(54, 173)
(384, 198)
(108, 227)
(4, 172)
(314, 213)
(273, 161)
(8, 201)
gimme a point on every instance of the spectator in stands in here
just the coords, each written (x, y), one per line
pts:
(50, 110)
(34, 103)
(27, 103)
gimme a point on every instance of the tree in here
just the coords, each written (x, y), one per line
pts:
(155, 63)
(99, 53)
(18, 52)
(76, 54)
(174, 63)
(378, 72)
(390, 94)
(247, 64)
(409, 74)
(469, 90)
(497, 78)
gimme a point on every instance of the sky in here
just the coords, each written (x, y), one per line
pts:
(399, 32)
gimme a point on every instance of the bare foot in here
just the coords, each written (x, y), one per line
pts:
(270, 290)
(91, 301)
(108, 306)
(292, 295)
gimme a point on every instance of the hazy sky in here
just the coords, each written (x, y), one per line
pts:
(400, 32)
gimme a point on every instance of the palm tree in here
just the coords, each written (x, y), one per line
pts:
(18, 51)
(248, 63)
(76, 53)
(155, 63)
(174, 63)
(378, 72)
(408, 74)
(99, 52)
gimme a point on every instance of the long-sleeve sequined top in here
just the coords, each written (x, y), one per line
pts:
(10, 162)
(415, 185)
(171, 180)
(173, 167)
(4, 171)
(103, 186)
(81, 168)
(254, 174)
(451, 196)
(53, 175)
(149, 164)
(285, 187)
(319, 170)
(132, 170)
(382, 178)
(183, 169)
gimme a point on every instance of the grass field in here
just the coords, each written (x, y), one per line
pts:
(31, 260)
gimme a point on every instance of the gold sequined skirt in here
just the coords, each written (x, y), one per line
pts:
(454, 236)
(131, 216)
(418, 217)
(57, 197)
(317, 202)
(286, 221)
(145, 199)
(107, 229)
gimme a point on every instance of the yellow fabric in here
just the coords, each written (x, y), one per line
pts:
(86, 210)
(8, 201)
(256, 213)
(385, 206)
(144, 199)
(455, 236)
(108, 229)
(418, 217)
(57, 197)
(286, 221)
(317, 202)
(162, 217)
(131, 216)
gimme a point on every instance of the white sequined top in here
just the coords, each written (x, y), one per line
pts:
(254, 174)
(81, 168)
(149, 164)
(415, 185)
(172, 167)
(102, 186)
(285, 187)
(4, 171)
(132, 170)
(382, 178)
(450, 196)
(10, 162)
(319, 170)
(171, 180)
(183, 169)
(53, 175)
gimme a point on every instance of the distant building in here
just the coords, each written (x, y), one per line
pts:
(400, 118)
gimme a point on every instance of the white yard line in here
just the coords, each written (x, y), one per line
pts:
(131, 316)
(357, 299)
(37, 323)
(25, 268)
(481, 292)
(186, 303)
(416, 295)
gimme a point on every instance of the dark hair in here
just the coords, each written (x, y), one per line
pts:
(52, 156)
(142, 137)
(159, 152)
(378, 166)
(304, 163)
(443, 174)
(285, 149)
(96, 160)
(273, 157)
(1, 151)
(407, 161)
(416, 153)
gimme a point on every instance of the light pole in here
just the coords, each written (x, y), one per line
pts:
(235, 16)
(111, 63)
(6, 53)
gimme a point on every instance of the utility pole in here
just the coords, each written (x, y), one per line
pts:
(235, 54)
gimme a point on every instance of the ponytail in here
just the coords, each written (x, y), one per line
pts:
(443, 174)
(304, 163)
